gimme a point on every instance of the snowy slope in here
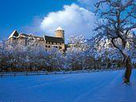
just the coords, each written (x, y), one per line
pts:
(82, 87)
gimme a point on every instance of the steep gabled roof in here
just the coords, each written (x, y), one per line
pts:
(47, 38)
(14, 34)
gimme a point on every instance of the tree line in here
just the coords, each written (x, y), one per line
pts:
(80, 56)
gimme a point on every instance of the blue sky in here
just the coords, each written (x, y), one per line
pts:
(28, 16)
(14, 14)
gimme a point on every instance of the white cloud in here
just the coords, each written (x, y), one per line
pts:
(73, 19)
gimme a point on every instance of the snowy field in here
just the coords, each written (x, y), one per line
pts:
(81, 87)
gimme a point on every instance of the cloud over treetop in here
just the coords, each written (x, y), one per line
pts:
(73, 19)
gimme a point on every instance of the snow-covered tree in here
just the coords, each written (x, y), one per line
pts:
(118, 20)
(79, 55)
(55, 60)
(77, 43)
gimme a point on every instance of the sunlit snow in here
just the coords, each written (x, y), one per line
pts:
(79, 87)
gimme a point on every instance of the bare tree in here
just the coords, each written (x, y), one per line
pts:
(118, 20)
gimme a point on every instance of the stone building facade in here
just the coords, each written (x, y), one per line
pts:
(47, 42)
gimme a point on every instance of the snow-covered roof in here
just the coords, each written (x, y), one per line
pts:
(14, 34)
(59, 28)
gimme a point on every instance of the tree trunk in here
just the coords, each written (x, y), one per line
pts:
(128, 70)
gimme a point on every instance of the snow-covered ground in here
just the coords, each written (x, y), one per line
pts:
(81, 87)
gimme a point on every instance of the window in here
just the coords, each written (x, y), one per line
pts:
(60, 47)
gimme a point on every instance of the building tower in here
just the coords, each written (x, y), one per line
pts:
(59, 32)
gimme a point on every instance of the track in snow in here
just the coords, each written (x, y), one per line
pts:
(83, 87)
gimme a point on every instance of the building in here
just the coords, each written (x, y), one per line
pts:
(47, 42)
